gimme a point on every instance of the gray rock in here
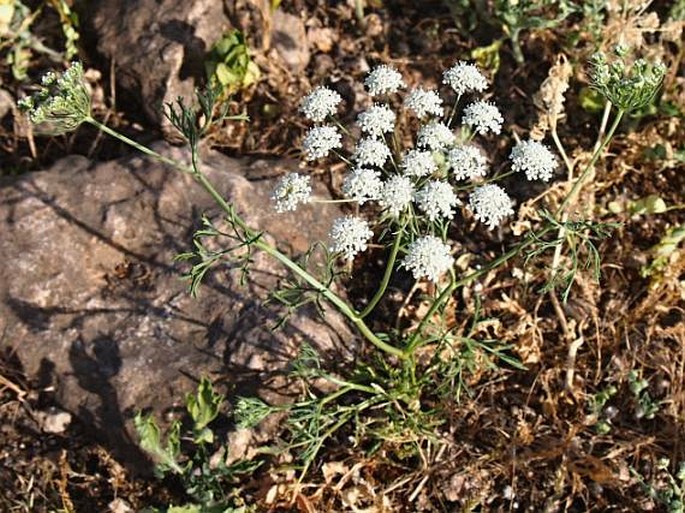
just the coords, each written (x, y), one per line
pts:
(53, 420)
(158, 46)
(289, 38)
(92, 303)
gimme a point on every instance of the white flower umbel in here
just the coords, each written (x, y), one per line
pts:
(467, 162)
(362, 184)
(349, 236)
(418, 163)
(424, 102)
(483, 117)
(320, 140)
(383, 80)
(320, 103)
(534, 159)
(490, 204)
(61, 104)
(292, 190)
(465, 78)
(435, 135)
(371, 152)
(397, 194)
(428, 257)
(376, 120)
(437, 199)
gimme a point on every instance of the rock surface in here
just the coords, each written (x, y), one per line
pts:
(92, 303)
(158, 47)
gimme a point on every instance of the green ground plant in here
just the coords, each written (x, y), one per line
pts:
(229, 66)
(20, 45)
(666, 488)
(513, 18)
(399, 395)
(187, 454)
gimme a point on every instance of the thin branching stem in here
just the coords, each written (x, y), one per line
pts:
(591, 164)
(389, 267)
(415, 339)
(259, 242)
(453, 111)
(138, 146)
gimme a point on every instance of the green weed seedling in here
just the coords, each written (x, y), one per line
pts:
(513, 18)
(186, 453)
(665, 488)
(647, 407)
(229, 65)
(21, 44)
(597, 405)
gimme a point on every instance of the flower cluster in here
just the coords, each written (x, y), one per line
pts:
(417, 189)
(483, 117)
(384, 80)
(362, 184)
(490, 204)
(292, 190)
(437, 199)
(350, 236)
(534, 159)
(397, 194)
(424, 103)
(428, 256)
(464, 78)
(319, 104)
(371, 152)
(61, 104)
(377, 120)
(435, 136)
(319, 142)
(467, 161)
(628, 87)
(418, 163)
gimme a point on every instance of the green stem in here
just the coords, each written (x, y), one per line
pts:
(260, 243)
(591, 164)
(453, 111)
(389, 267)
(414, 340)
(516, 46)
(331, 297)
(138, 146)
(345, 387)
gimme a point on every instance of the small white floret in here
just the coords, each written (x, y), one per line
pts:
(397, 194)
(465, 78)
(371, 152)
(534, 159)
(424, 102)
(483, 117)
(349, 236)
(377, 120)
(320, 140)
(320, 103)
(435, 135)
(467, 162)
(292, 190)
(490, 204)
(437, 199)
(418, 163)
(383, 79)
(428, 257)
(362, 184)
